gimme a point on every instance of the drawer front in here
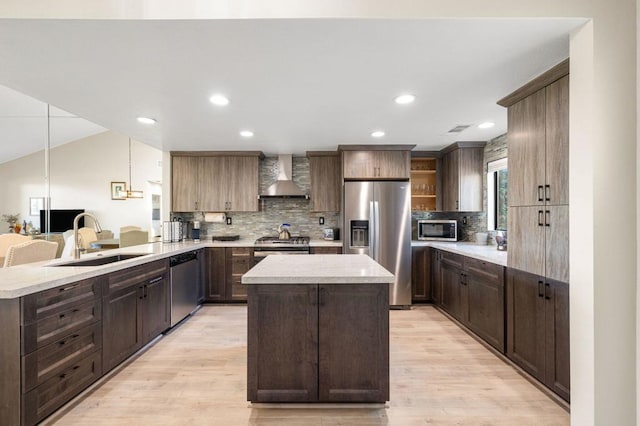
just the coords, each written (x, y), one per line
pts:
(53, 359)
(238, 290)
(48, 303)
(51, 394)
(325, 250)
(452, 259)
(491, 271)
(240, 265)
(57, 326)
(241, 251)
(135, 275)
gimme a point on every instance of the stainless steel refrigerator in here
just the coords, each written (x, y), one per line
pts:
(377, 222)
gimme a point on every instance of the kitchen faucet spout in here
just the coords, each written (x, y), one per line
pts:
(77, 250)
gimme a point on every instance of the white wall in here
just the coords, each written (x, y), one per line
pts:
(80, 177)
(603, 162)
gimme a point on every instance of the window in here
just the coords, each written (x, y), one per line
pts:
(497, 205)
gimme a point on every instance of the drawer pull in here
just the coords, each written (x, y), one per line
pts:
(64, 342)
(62, 316)
(63, 375)
(155, 280)
(71, 287)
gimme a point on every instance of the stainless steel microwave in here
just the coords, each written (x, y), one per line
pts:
(438, 230)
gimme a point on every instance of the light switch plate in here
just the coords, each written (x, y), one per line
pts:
(321, 220)
(229, 221)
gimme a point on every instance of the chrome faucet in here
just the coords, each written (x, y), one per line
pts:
(77, 250)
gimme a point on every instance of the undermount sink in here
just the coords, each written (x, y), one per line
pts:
(100, 260)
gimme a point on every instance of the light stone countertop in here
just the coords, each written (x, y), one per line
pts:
(26, 279)
(488, 253)
(318, 269)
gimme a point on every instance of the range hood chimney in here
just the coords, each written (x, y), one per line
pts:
(284, 186)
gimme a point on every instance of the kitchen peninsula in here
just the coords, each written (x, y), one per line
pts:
(318, 329)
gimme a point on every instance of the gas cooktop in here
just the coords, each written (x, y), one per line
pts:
(275, 241)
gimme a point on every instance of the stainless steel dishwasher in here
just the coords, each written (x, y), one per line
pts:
(184, 285)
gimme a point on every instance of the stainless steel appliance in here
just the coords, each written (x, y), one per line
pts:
(184, 285)
(438, 230)
(377, 222)
(265, 246)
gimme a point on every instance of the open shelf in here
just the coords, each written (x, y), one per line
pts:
(423, 184)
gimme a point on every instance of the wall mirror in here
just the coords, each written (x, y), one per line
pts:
(56, 160)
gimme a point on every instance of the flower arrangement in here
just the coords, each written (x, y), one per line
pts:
(12, 220)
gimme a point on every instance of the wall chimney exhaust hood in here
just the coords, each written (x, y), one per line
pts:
(284, 186)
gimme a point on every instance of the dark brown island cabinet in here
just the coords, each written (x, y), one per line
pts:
(318, 343)
(313, 341)
(224, 268)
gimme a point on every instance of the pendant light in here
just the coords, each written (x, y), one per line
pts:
(131, 193)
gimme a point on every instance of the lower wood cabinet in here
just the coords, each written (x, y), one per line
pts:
(224, 270)
(473, 293)
(318, 343)
(136, 309)
(538, 328)
(325, 250)
(421, 274)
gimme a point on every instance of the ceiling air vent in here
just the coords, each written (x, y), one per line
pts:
(459, 128)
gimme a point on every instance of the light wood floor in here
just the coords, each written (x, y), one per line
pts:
(197, 374)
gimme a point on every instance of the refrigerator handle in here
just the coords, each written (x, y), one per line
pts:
(376, 224)
(372, 230)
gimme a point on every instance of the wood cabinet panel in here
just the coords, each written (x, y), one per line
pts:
(156, 310)
(121, 325)
(450, 181)
(282, 361)
(420, 274)
(353, 343)
(238, 262)
(451, 297)
(557, 142)
(211, 194)
(526, 130)
(325, 182)
(376, 164)
(216, 275)
(185, 183)
(436, 281)
(325, 250)
(526, 239)
(526, 322)
(241, 181)
(557, 338)
(462, 172)
(556, 243)
(484, 283)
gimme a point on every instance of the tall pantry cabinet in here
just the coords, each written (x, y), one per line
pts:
(538, 226)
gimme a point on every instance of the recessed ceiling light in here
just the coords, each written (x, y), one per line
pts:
(377, 134)
(486, 125)
(246, 134)
(405, 99)
(146, 120)
(219, 100)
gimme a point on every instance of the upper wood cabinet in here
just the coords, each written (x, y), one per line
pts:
(538, 143)
(324, 168)
(215, 181)
(462, 177)
(538, 130)
(376, 164)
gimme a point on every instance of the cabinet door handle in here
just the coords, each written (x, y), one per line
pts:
(155, 280)
(547, 218)
(547, 291)
(70, 287)
(540, 289)
(457, 204)
(196, 205)
(540, 193)
(540, 218)
(547, 192)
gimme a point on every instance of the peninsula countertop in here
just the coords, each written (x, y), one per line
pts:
(318, 269)
(488, 253)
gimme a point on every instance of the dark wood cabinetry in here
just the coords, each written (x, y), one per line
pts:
(538, 328)
(324, 168)
(225, 267)
(472, 291)
(51, 349)
(420, 274)
(436, 280)
(215, 181)
(136, 310)
(325, 250)
(376, 162)
(462, 171)
(318, 343)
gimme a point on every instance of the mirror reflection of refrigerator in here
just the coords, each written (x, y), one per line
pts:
(377, 221)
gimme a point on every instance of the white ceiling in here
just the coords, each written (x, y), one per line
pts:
(303, 84)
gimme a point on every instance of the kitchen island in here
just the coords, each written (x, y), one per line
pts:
(318, 329)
